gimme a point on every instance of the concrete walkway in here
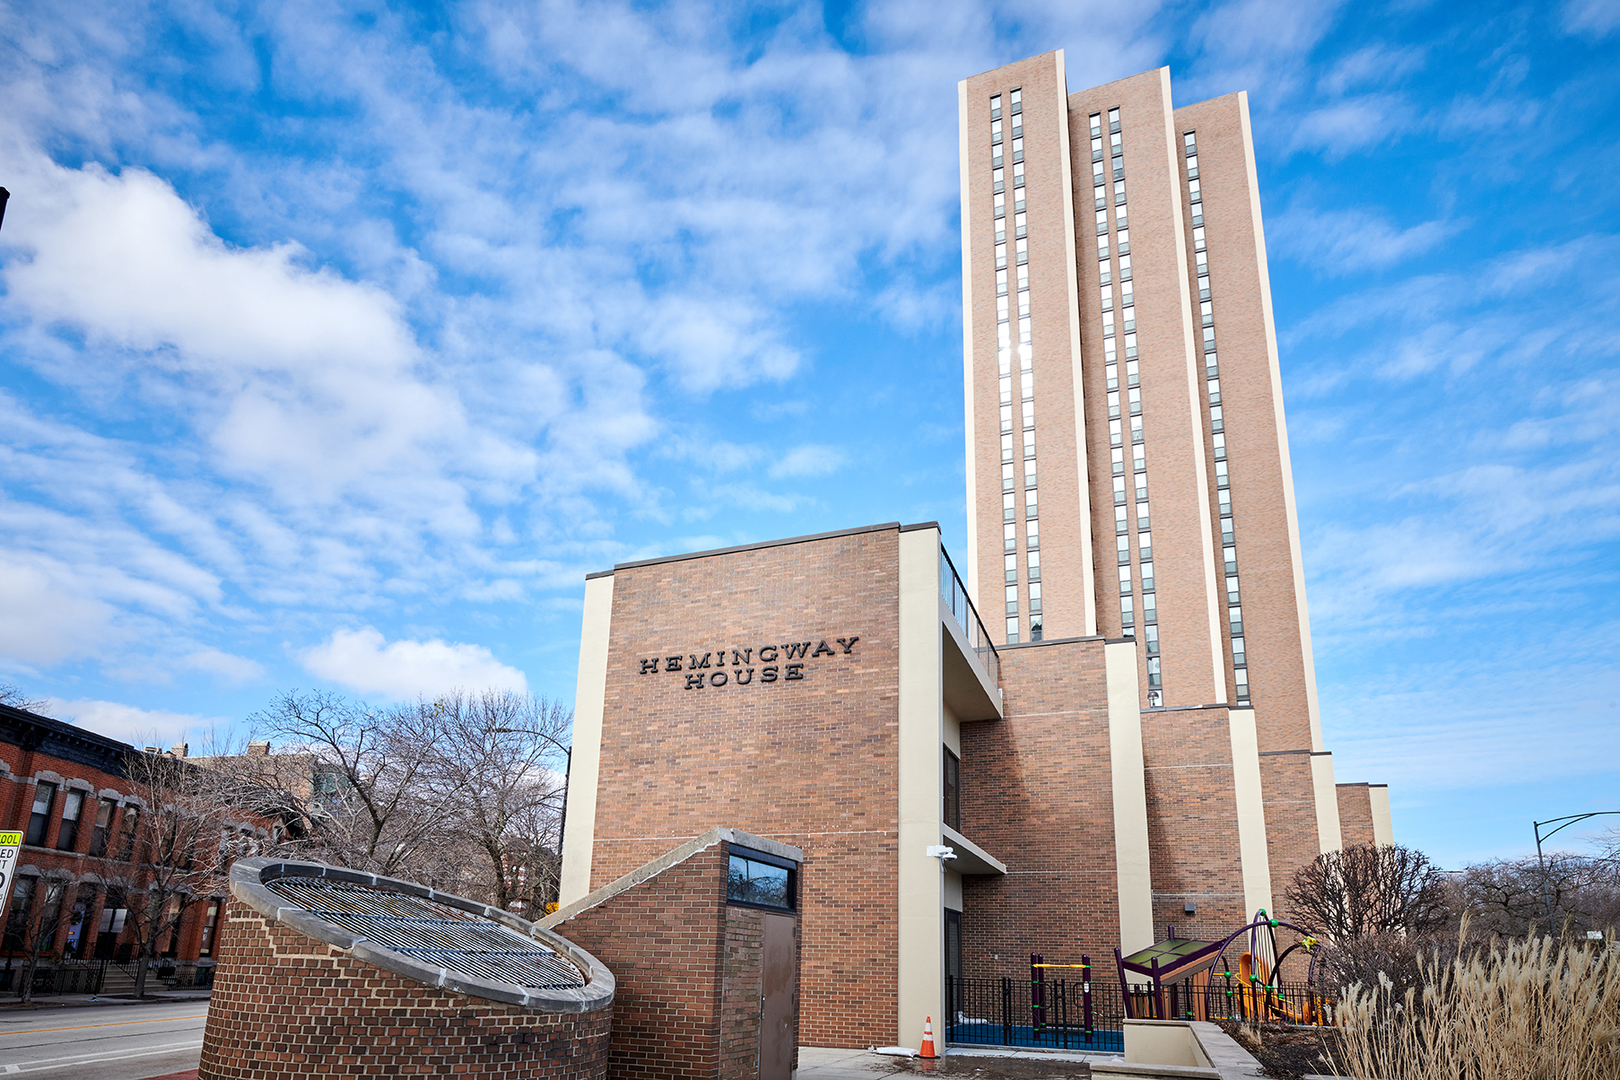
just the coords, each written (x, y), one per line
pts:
(823, 1063)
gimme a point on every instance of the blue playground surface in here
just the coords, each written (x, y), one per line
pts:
(987, 1033)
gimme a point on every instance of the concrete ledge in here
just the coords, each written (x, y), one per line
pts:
(664, 862)
(1124, 1069)
(1224, 1052)
(247, 885)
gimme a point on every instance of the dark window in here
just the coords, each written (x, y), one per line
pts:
(44, 796)
(953, 791)
(73, 948)
(50, 916)
(67, 838)
(98, 837)
(126, 846)
(113, 916)
(210, 924)
(21, 907)
(760, 880)
(953, 959)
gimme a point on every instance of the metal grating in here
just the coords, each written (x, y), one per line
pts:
(433, 933)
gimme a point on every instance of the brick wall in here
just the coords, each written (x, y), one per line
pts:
(1037, 793)
(286, 1006)
(687, 967)
(810, 762)
(1192, 818)
(1355, 814)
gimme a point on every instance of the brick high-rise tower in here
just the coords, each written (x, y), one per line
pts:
(1127, 458)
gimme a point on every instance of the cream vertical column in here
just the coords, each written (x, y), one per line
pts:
(921, 893)
(1251, 811)
(1071, 268)
(590, 694)
(1132, 868)
(1329, 836)
(968, 403)
(1383, 827)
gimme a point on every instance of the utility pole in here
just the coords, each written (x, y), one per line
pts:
(1568, 820)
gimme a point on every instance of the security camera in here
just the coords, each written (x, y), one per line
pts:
(941, 851)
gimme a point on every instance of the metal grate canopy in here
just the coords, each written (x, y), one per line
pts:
(436, 934)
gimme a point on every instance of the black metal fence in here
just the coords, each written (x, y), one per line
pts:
(1081, 1014)
(63, 977)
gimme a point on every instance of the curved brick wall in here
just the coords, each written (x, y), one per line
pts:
(286, 1007)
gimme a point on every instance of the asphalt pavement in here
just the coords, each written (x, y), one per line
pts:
(103, 1042)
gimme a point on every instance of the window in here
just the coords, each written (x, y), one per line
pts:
(1012, 568)
(1239, 659)
(756, 879)
(1012, 631)
(98, 838)
(1029, 472)
(1012, 600)
(1220, 447)
(1006, 448)
(1121, 519)
(995, 107)
(1031, 504)
(1230, 554)
(1006, 476)
(67, 838)
(210, 924)
(1127, 611)
(1008, 505)
(1034, 598)
(1124, 580)
(1009, 537)
(1029, 444)
(1150, 639)
(18, 913)
(1144, 542)
(131, 820)
(1154, 678)
(44, 796)
(1034, 628)
(1150, 609)
(1034, 566)
(1147, 577)
(1234, 618)
(1032, 534)
(953, 790)
(1118, 454)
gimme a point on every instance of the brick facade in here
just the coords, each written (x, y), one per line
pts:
(1037, 791)
(809, 762)
(1356, 814)
(688, 971)
(286, 1007)
(37, 749)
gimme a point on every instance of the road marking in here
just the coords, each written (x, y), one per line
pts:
(44, 1064)
(110, 1023)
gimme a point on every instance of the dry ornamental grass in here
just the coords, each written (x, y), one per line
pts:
(1533, 1009)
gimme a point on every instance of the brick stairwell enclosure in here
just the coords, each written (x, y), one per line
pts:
(299, 994)
(690, 966)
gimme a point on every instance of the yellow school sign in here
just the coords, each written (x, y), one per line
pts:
(9, 843)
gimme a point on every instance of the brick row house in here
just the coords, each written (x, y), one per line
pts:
(70, 793)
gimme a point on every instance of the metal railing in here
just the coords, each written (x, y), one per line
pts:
(1075, 1014)
(956, 598)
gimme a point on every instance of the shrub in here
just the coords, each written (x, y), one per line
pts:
(1530, 1009)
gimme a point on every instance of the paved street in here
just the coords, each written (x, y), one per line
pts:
(106, 1042)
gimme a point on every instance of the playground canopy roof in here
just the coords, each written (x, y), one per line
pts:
(1178, 958)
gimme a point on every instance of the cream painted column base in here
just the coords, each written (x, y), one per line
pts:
(590, 695)
(920, 902)
(1132, 869)
(1251, 811)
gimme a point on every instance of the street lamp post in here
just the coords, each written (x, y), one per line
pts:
(1568, 820)
(568, 770)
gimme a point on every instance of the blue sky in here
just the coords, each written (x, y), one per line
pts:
(340, 341)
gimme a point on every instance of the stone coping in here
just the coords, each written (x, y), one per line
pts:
(668, 859)
(247, 885)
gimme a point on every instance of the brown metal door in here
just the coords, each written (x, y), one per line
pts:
(777, 979)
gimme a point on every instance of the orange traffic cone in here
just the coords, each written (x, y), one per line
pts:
(928, 1039)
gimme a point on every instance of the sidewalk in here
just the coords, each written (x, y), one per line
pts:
(824, 1063)
(74, 1001)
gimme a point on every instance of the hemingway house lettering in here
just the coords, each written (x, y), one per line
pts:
(773, 663)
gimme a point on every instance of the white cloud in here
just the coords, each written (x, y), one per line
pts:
(808, 460)
(129, 723)
(1335, 242)
(46, 620)
(364, 661)
(1596, 18)
(225, 666)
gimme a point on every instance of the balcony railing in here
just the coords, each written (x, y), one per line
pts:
(956, 598)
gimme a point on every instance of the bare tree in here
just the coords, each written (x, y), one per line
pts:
(1509, 896)
(178, 855)
(35, 919)
(364, 797)
(494, 775)
(11, 694)
(1369, 889)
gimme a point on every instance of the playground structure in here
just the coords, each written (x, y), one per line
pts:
(1197, 980)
